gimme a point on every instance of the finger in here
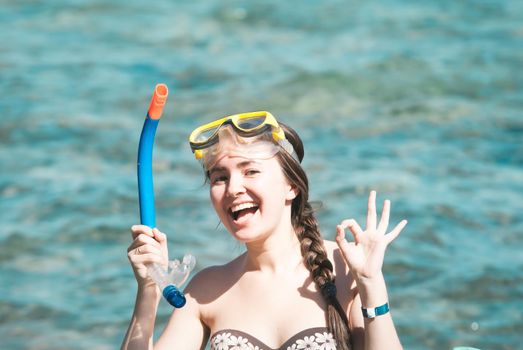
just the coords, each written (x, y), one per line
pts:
(143, 239)
(371, 211)
(159, 236)
(395, 231)
(146, 259)
(354, 228)
(342, 242)
(340, 234)
(385, 214)
(141, 229)
(145, 249)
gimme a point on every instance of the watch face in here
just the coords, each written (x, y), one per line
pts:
(371, 313)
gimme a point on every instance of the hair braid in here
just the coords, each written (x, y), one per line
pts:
(312, 247)
(313, 251)
(317, 262)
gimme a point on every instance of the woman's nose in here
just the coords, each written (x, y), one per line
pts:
(235, 186)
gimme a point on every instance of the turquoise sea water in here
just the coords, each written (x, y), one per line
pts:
(422, 101)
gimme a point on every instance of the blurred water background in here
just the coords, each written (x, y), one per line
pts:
(422, 101)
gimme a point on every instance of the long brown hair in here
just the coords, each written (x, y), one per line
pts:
(312, 248)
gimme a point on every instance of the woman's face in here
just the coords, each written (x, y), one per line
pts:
(251, 196)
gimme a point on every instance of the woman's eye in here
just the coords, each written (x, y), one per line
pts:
(218, 179)
(251, 172)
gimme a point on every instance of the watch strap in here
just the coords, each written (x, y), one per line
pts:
(376, 311)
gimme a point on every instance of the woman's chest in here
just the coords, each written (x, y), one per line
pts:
(271, 315)
(312, 338)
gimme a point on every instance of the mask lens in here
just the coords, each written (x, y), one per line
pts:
(250, 123)
(205, 135)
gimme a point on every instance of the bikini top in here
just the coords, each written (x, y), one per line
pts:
(312, 338)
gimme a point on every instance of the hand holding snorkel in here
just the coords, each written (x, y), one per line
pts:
(167, 279)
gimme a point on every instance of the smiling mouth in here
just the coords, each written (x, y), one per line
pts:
(242, 210)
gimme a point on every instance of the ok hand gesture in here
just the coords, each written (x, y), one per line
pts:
(365, 255)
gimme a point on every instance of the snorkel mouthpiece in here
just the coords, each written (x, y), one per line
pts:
(174, 296)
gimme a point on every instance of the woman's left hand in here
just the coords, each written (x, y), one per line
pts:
(365, 255)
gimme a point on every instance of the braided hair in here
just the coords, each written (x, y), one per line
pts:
(311, 241)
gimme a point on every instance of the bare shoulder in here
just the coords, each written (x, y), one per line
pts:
(188, 327)
(341, 270)
(330, 245)
(334, 254)
(345, 283)
(208, 284)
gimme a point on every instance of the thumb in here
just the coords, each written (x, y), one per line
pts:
(342, 242)
(159, 236)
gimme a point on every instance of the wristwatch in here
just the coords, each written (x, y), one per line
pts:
(376, 311)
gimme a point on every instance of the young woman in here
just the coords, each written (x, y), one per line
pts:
(291, 289)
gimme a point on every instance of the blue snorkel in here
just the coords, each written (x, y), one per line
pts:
(167, 281)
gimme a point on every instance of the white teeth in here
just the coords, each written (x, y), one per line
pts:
(242, 206)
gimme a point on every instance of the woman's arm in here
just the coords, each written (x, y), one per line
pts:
(148, 246)
(140, 332)
(378, 332)
(365, 257)
(184, 330)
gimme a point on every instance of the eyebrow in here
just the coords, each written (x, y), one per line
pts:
(243, 164)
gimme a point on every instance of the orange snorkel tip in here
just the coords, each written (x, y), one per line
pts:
(158, 101)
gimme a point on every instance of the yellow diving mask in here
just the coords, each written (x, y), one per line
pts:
(255, 135)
